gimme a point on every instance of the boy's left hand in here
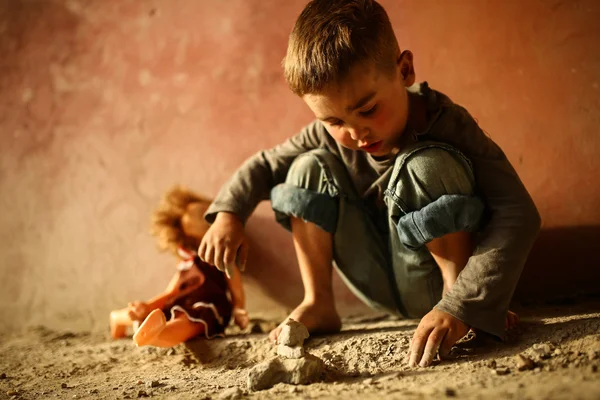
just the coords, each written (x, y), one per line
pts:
(437, 331)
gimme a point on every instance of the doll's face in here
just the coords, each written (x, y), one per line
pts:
(193, 222)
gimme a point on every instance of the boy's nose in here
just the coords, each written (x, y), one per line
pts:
(358, 133)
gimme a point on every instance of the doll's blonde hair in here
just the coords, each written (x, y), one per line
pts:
(167, 220)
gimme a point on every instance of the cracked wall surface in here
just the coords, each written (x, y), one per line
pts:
(105, 105)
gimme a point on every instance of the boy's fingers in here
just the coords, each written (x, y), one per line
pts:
(418, 345)
(229, 260)
(202, 250)
(433, 345)
(242, 256)
(209, 256)
(219, 255)
(446, 347)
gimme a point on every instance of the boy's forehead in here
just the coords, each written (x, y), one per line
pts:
(352, 92)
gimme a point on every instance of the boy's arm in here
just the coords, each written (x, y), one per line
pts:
(484, 289)
(436, 192)
(253, 181)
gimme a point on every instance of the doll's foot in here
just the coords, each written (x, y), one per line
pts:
(152, 326)
(318, 318)
(512, 320)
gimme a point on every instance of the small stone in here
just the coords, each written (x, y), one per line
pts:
(299, 371)
(524, 363)
(594, 368)
(557, 352)
(64, 385)
(171, 352)
(93, 391)
(140, 382)
(450, 392)
(74, 396)
(152, 384)
(293, 389)
(491, 364)
(502, 371)
(234, 393)
(3, 376)
(538, 369)
(368, 381)
(290, 352)
(142, 393)
(12, 393)
(543, 350)
(592, 355)
(293, 333)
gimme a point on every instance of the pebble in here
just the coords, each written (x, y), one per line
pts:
(543, 350)
(524, 363)
(171, 352)
(64, 385)
(152, 384)
(450, 392)
(93, 391)
(3, 376)
(142, 393)
(491, 364)
(12, 393)
(502, 371)
(594, 368)
(368, 381)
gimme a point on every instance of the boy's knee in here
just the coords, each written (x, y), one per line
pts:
(307, 169)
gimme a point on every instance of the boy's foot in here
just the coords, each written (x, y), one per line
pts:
(318, 318)
(512, 320)
(152, 326)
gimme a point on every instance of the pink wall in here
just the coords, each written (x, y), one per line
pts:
(105, 105)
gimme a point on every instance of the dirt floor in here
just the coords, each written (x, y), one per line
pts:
(365, 359)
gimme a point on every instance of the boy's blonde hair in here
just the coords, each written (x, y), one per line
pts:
(332, 36)
(167, 220)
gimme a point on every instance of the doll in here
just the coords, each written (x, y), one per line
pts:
(200, 299)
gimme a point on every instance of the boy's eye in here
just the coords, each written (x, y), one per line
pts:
(336, 123)
(369, 112)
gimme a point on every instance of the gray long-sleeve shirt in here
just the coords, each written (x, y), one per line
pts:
(483, 290)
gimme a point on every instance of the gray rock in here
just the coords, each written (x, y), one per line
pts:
(290, 352)
(293, 333)
(234, 393)
(299, 371)
(543, 350)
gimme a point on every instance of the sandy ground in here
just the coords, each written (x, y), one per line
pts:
(365, 360)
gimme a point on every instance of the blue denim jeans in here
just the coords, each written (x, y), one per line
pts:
(379, 254)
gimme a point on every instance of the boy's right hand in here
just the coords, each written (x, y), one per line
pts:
(225, 243)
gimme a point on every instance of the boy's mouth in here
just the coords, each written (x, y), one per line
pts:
(373, 147)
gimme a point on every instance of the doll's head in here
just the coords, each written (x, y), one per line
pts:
(179, 220)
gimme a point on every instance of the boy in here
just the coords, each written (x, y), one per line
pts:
(421, 212)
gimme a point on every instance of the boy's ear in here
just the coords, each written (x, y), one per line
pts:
(406, 68)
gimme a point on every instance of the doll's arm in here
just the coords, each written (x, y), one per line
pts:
(139, 310)
(238, 298)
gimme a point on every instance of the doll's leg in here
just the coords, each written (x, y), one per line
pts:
(119, 321)
(156, 331)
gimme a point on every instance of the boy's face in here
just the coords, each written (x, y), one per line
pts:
(368, 111)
